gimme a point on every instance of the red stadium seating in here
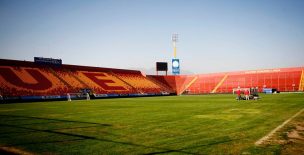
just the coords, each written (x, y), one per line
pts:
(23, 78)
(24, 81)
(139, 82)
(284, 79)
(178, 84)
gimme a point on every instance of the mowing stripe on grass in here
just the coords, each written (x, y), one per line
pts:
(263, 139)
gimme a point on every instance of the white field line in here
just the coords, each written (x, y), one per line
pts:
(263, 139)
(12, 150)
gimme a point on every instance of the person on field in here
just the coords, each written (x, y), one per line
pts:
(88, 96)
(69, 97)
(238, 92)
(246, 94)
(1, 99)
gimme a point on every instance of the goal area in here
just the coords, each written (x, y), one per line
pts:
(77, 96)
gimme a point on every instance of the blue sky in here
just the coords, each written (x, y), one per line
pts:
(214, 35)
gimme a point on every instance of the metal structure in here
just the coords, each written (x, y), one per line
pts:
(175, 61)
(174, 40)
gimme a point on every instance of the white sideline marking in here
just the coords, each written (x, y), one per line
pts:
(12, 150)
(263, 139)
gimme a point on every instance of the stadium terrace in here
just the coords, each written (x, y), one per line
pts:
(25, 80)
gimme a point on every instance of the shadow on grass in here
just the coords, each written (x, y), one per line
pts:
(196, 146)
(51, 119)
(79, 137)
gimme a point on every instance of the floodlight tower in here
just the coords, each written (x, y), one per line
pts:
(175, 61)
(174, 40)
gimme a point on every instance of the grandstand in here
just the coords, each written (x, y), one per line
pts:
(281, 79)
(25, 79)
(177, 84)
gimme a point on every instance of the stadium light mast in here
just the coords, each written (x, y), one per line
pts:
(174, 40)
(175, 61)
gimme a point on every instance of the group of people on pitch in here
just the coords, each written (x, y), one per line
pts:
(239, 93)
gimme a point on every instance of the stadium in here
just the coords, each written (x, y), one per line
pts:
(25, 80)
(103, 77)
(184, 114)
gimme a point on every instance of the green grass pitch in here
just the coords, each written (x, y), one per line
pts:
(206, 124)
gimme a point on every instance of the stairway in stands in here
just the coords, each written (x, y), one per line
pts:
(183, 83)
(160, 84)
(301, 86)
(76, 77)
(177, 83)
(62, 80)
(125, 82)
(219, 84)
